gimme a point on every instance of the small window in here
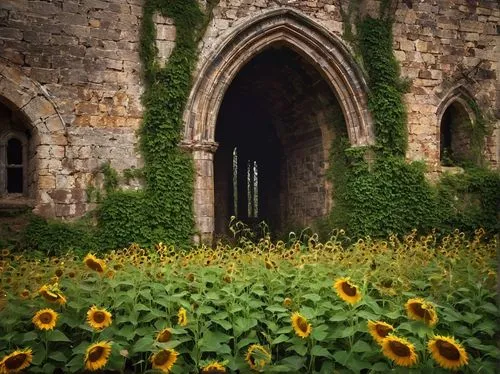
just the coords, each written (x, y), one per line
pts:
(455, 134)
(15, 167)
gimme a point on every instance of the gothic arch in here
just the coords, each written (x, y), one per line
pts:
(323, 50)
(454, 108)
(31, 104)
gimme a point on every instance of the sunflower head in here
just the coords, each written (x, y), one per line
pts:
(347, 291)
(97, 355)
(399, 350)
(214, 368)
(421, 310)
(16, 361)
(98, 319)
(45, 319)
(258, 357)
(447, 352)
(94, 263)
(300, 325)
(182, 317)
(379, 330)
(25, 294)
(52, 293)
(164, 360)
(164, 335)
(287, 303)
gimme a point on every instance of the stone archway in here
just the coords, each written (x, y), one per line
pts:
(28, 101)
(455, 121)
(321, 49)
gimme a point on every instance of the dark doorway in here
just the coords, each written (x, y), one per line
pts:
(455, 134)
(274, 128)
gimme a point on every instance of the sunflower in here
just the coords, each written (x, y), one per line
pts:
(347, 291)
(5, 252)
(421, 310)
(447, 352)
(25, 294)
(257, 357)
(97, 355)
(16, 361)
(98, 319)
(45, 319)
(379, 330)
(287, 303)
(164, 359)
(59, 273)
(214, 368)
(94, 263)
(300, 325)
(182, 317)
(164, 335)
(399, 350)
(52, 293)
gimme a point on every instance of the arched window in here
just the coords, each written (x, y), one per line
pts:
(455, 135)
(14, 143)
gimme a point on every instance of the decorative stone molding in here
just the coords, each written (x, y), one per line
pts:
(31, 102)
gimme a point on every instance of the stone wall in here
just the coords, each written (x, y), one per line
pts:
(442, 45)
(84, 56)
(72, 70)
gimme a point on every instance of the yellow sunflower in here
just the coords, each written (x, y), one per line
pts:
(164, 335)
(182, 317)
(98, 319)
(399, 350)
(16, 361)
(421, 310)
(45, 319)
(379, 330)
(287, 303)
(164, 360)
(214, 368)
(447, 352)
(97, 355)
(300, 325)
(257, 357)
(25, 294)
(51, 293)
(94, 263)
(347, 291)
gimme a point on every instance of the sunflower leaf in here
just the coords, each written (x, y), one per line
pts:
(280, 339)
(320, 351)
(301, 349)
(58, 356)
(57, 336)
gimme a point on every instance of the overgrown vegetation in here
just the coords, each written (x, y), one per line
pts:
(237, 297)
(376, 191)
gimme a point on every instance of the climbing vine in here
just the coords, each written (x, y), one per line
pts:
(387, 194)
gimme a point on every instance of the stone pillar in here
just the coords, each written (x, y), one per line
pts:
(204, 212)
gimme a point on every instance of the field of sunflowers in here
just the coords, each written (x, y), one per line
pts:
(413, 304)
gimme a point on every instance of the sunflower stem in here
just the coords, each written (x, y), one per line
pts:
(46, 346)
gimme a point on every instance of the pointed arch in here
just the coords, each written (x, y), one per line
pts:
(315, 44)
(325, 51)
(456, 119)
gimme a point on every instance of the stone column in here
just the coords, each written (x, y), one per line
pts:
(204, 212)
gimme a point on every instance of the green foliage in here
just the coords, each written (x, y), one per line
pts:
(385, 99)
(235, 297)
(470, 199)
(55, 238)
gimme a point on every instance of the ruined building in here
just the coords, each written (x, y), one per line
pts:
(271, 78)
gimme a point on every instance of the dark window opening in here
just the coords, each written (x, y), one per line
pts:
(14, 166)
(14, 180)
(455, 133)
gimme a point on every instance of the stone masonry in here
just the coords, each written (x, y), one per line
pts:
(71, 69)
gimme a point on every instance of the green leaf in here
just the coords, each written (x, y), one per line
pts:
(301, 349)
(312, 296)
(30, 336)
(361, 346)
(144, 344)
(280, 339)
(380, 366)
(58, 356)
(277, 309)
(318, 350)
(57, 336)
(341, 357)
(319, 333)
